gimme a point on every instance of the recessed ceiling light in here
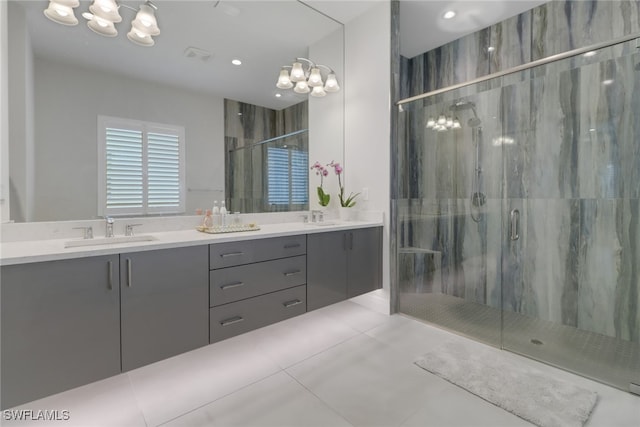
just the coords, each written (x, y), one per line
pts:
(607, 82)
(590, 53)
(236, 62)
(449, 14)
(278, 95)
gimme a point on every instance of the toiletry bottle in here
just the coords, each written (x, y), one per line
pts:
(223, 214)
(207, 221)
(215, 214)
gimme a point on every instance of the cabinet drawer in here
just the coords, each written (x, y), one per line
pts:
(245, 281)
(230, 254)
(239, 317)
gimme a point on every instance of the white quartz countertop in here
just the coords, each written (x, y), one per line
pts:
(54, 249)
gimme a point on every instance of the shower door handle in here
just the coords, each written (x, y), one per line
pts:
(515, 224)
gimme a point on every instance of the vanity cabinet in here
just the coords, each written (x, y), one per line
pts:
(60, 326)
(343, 264)
(164, 310)
(255, 283)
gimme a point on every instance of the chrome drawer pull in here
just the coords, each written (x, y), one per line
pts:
(231, 321)
(291, 303)
(110, 278)
(128, 272)
(292, 246)
(231, 285)
(231, 254)
(292, 273)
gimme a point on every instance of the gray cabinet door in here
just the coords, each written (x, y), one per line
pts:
(164, 305)
(60, 326)
(365, 261)
(326, 269)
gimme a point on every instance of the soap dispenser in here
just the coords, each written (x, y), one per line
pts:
(223, 214)
(215, 214)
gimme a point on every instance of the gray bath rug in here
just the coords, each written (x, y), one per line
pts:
(499, 379)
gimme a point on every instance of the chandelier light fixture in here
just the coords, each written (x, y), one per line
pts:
(61, 11)
(443, 123)
(104, 14)
(305, 76)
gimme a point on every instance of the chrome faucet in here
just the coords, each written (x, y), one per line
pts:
(109, 226)
(317, 216)
(128, 229)
(88, 231)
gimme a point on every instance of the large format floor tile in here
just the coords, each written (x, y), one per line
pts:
(346, 364)
(297, 339)
(109, 402)
(276, 401)
(174, 386)
(365, 381)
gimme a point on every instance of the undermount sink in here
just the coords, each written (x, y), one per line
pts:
(322, 223)
(109, 241)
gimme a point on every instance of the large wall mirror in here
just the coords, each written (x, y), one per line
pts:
(66, 80)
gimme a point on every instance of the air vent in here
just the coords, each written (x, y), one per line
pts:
(197, 53)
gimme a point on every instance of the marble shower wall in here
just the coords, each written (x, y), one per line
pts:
(557, 144)
(245, 125)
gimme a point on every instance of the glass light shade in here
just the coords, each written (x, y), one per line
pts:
(60, 13)
(441, 128)
(140, 38)
(102, 27)
(315, 78)
(106, 9)
(146, 21)
(442, 120)
(70, 3)
(456, 124)
(297, 73)
(318, 91)
(331, 84)
(284, 82)
(301, 87)
(449, 122)
(431, 123)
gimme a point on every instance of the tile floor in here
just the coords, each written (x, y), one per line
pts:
(350, 364)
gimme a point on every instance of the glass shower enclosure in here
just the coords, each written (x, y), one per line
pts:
(518, 211)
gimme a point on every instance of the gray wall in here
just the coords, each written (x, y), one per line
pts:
(68, 100)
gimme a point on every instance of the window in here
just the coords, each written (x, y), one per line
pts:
(288, 176)
(141, 167)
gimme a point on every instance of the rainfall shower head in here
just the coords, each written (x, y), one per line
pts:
(467, 105)
(463, 105)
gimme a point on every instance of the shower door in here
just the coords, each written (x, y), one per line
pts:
(518, 212)
(450, 212)
(571, 148)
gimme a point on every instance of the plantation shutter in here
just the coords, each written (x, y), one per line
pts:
(142, 168)
(164, 170)
(287, 176)
(125, 187)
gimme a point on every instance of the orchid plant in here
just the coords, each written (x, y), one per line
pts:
(345, 202)
(323, 198)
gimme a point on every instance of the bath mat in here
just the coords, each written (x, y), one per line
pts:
(524, 391)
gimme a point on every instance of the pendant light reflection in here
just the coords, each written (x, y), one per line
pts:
(61, 11)
(307, 78)
(104, 14)
(443, 123)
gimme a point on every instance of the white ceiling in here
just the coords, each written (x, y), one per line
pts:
(264, 34)
(422, 27)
